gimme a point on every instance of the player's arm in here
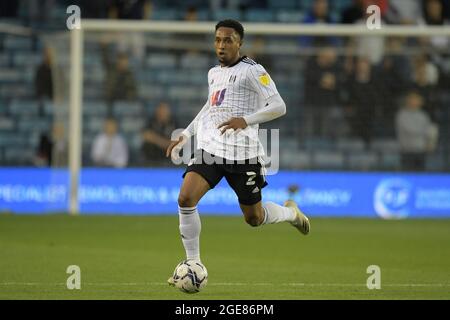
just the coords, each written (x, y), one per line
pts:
(188, 132)
(274, 106)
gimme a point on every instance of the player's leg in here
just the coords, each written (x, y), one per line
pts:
(247, 185)
(194, 187)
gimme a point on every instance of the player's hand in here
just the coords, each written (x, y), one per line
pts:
(233, 123)
(174, 147)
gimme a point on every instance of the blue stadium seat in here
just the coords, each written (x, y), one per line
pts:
(4, 60)
(151, 92)
(6, 124)
(289, 16)
(226, 14)
(93, 125)
(24, 58)
(187, 93)
(23, 107)
(132, 124)
(11, 139)
(17, 43)
(259, 15)
(122, 108)
(362, 160)
(283, 4)
(94, 108)
(10, 75)
(389, 161)
(328, 160)
(164, 14)
(198, 61)
(295, 160)
(18, 156)
(350, 145)
(385, 145)
(163, 61)
(34, 124)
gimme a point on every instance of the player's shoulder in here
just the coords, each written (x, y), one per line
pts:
(252, 65)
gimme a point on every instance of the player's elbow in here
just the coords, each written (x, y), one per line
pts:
(283, 109)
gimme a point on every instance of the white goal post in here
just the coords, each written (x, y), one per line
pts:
(76, 60)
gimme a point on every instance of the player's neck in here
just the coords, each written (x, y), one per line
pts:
(232, 63)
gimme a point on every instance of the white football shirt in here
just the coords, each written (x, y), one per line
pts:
(234, 91)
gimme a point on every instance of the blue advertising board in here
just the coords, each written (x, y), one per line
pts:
(155, 191)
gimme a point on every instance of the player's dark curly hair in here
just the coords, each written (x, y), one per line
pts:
(230, 23)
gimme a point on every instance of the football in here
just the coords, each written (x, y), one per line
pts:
(190, 276)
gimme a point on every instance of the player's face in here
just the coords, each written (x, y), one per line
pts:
(227, 45)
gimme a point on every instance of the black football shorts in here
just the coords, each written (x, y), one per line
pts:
(244, 177)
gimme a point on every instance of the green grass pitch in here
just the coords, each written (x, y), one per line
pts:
(125, 257)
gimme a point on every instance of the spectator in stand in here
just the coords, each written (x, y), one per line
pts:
(434, 15)
(43, 80)
(156, 136)
(109, 148)
(363, 99)
(322, 85)
(43, 155)
(425, 77)
(404, 12)
(120, 82)
(319, 14)
(133, 42)
(416, 134)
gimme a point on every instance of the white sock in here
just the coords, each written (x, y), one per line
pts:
(274, 213)
(190, 227)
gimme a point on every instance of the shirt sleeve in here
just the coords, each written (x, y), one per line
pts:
(261, 82)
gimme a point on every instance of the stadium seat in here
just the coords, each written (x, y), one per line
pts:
(94, 108)
(17, 43)
(295, 160)
(122, 108)
(10, 75)
(4, 60)
(259, 15)
(23, 107)
(164, 14)
(93, 125)
(28, 124)
(25, 58)
(350, 145)
(384, 145)
(132, 124)
(151, 92)
(226, 14)
(186, 92)
(283, 4)
(328, 160)
(389, 161)
(162, 61)
(289, 16)
(198, 61)
(6, 123)
(315, 143)
(18, 156)
(362, 160)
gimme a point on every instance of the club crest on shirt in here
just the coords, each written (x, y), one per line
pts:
(264, 79)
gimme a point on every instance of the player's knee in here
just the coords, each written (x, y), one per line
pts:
(186, 200)
(253, 220)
